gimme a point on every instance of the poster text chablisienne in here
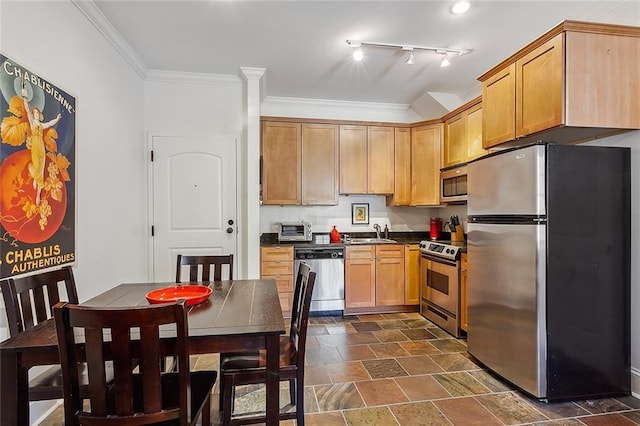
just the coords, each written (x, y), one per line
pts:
(37, 172)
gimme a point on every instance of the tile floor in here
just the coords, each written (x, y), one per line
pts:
(401, 369)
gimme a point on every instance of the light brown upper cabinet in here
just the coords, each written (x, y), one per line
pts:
(366, 159)
(463, 134)
(281, 148)
(425, 165)
(319, 164)
(578, 81)
(353, 159)
(380, 160)
(299, 163)
(402, 183)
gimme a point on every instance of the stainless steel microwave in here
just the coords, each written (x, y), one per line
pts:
(453, 185)
(294, 231)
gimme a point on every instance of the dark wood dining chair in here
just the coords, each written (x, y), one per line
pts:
(114, 338)
(29, 301)
(249, 368)
(200, 267)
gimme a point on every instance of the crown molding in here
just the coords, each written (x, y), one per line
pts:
(344, 105)
(253, 73)
(193, 77)
(104, 27)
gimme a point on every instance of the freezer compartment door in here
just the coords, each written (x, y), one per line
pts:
(506, 302)
(508, 184)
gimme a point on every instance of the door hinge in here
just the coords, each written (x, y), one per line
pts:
(152, 155)
(152, 230)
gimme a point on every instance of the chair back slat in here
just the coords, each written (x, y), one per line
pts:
(119, 337)
(200, 267)
(305, 281)
(29, 300)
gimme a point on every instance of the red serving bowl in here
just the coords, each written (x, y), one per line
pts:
(193, 294)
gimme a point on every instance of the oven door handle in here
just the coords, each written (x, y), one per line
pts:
(439, 260)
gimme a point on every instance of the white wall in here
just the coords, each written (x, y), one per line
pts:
(56, 41)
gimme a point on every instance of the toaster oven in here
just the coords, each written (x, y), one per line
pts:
(294, 231)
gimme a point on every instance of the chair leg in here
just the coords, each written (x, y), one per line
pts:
(221, 385)
(292, 391)
(229, 391)
(205, 416)
(300, 402)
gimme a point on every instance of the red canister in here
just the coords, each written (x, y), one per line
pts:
(434, 228)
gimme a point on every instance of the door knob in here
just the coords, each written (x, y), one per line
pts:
(230, 221)
(229, 230)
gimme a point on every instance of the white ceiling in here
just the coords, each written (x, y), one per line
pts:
(302, 44)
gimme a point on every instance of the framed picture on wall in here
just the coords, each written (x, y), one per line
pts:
(37, 172)
(360, 213)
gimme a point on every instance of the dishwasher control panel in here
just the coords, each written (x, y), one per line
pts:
(319, 253)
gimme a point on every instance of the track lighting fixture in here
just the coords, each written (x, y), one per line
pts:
(410, 60)
(445, 61)
(358, 55)
(357, 51)
(410, 50)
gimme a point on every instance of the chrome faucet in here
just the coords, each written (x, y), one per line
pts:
(377, 228)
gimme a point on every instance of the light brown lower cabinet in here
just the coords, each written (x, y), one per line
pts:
(277, 263)
(360, 277)
(463, 292)
(412, 274)
(389, 275)
(374, 276)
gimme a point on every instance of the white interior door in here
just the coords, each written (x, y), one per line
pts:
(194, 199)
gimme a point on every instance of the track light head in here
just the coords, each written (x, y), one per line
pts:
(410, 60)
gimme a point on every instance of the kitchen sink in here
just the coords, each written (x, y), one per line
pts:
(372, 241)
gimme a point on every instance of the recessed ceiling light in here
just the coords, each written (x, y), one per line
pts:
(460, 7)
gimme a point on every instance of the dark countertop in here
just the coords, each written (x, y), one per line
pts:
(271, 239)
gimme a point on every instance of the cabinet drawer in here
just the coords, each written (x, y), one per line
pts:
(273, 254)
(361, 252)
(276, 268)
(463, 261)
(385, 251)
(284, 282)
(286, 300)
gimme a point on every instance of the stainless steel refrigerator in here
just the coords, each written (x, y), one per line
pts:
(549, 268)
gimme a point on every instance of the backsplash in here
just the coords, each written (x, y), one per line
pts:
(323, 218)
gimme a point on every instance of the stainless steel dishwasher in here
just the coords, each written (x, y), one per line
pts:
(328, 264)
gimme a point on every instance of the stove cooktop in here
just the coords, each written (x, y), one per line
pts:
(445, 249)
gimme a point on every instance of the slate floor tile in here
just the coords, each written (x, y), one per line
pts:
(419, 414)
(381, 392)
(370, 416)
(382, 368)
(390, 369)
(466, 411)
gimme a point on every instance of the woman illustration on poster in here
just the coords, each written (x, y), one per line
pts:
(35, 143)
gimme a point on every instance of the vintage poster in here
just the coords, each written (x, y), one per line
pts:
(37, 172)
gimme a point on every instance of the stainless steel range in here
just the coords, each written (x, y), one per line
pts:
(440, 284)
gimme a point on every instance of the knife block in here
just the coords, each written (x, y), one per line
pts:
(458, 235)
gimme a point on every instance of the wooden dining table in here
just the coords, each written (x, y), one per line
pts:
(240, 315)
